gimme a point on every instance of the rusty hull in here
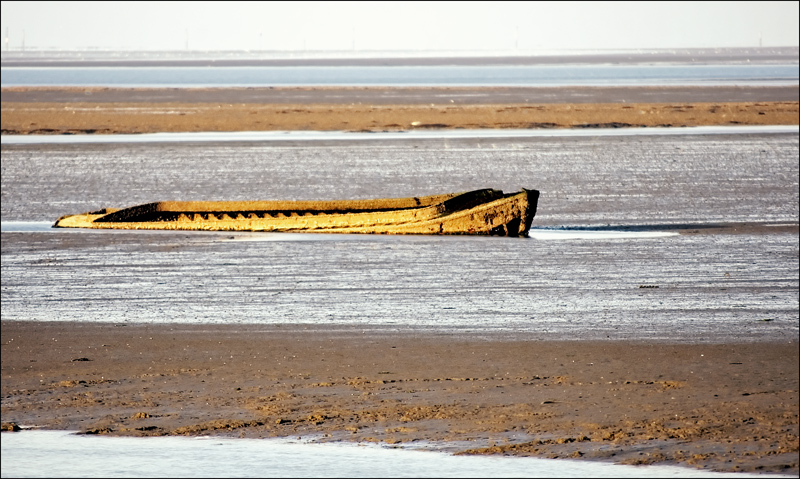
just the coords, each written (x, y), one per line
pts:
(479, 212)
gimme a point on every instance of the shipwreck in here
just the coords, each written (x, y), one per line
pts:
(479, 212)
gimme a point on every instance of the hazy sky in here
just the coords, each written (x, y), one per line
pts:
(465, 26)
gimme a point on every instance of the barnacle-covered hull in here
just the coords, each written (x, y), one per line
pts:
(479, 212)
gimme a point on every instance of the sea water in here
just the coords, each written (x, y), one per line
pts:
(608, 214)
(393, 76)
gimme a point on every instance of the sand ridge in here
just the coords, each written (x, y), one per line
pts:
(106, 110)
(126, 118)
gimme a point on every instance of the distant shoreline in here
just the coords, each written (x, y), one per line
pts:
(377, 95)
(54, 58)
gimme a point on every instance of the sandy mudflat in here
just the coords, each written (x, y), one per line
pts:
(731, 407)
(107, 110)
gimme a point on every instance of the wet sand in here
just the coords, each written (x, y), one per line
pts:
(110, 111)
(728, 407)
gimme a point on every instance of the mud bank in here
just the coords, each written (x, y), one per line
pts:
(127, 118)
(729, 407)
(47, 110)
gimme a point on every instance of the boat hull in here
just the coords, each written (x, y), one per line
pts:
(480, 212)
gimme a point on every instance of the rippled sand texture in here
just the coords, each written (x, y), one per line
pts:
(723, 407)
